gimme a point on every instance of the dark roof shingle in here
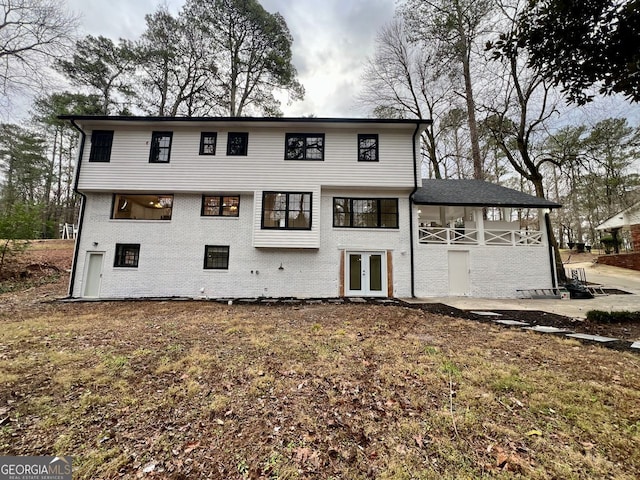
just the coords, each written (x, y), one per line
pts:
(475, 193)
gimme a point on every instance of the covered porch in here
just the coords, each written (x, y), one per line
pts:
(492, 226)
(477, 239)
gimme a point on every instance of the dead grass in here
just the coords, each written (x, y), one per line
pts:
(200, 390)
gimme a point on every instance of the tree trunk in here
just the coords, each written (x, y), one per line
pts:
(465, 51)
(432, 155)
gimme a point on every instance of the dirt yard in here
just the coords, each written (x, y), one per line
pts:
(188, 389)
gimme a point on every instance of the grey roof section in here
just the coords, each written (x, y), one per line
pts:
(420, 124)
(474, 193)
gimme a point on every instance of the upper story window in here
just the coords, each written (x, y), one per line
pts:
(101, 141)
(368, 147)
(286, 210)
(365, 212)
(160, 147)
(127, 255)
(142, 207)
(219, 206)
(304, 146)
(208, 143)
(237, 143)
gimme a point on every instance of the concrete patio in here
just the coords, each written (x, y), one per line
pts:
(605, 275)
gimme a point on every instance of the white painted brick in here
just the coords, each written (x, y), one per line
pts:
(172, 253)
(495, 271)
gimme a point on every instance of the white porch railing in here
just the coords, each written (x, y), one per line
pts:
(448, 235)
(462, 236)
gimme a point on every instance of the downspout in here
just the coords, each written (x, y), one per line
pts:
(413, 192)
(82, 206)
(552, 257)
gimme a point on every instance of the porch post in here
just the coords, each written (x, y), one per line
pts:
(480, 225)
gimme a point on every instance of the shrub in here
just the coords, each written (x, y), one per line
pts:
(600, 316)
(609, 243)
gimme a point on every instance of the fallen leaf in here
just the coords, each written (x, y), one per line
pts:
(533, 432)
(501, 458)
(302, 454)
(190, 447)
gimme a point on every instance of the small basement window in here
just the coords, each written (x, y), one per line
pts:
(216, 257)
(127, 255)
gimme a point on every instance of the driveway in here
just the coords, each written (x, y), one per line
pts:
(605, 275)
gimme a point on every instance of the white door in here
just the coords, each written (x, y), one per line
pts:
(366, 274)
(93, 275)
(459, 283)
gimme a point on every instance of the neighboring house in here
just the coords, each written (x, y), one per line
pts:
(626, 220)
(289, 207)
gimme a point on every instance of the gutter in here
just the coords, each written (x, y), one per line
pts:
(83, 202)
(413, 192)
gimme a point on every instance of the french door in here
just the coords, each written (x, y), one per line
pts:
(366, 274)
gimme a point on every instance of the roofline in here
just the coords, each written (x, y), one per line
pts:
(550, 205)
(311, 120)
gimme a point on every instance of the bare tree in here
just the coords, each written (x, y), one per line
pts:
(404, 80)
(454, 27)
(518, 118)
(32, 33)
(520, 113)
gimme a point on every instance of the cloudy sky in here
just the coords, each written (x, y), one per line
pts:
(331, 40)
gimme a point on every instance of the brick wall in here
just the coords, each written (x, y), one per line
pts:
(635, 237)
(624, 260)
(494, 271)
(172, 253)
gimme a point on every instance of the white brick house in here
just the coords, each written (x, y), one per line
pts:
(278, 207)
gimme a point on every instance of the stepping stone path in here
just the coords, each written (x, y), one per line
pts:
(512, 323)
(546, 329)
(549, 329)
(595, 338)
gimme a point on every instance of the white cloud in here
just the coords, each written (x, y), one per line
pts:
(331, 40)
(116, 18)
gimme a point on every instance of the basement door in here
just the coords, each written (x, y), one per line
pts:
(93, 274)
(366, 274)
(459, 282)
